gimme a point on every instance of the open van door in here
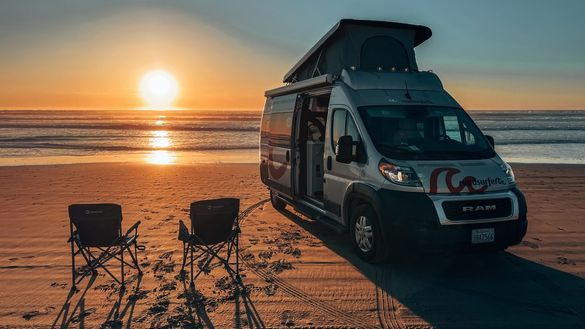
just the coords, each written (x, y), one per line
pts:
(279, 146)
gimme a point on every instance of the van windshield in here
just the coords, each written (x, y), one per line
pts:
(424, 133)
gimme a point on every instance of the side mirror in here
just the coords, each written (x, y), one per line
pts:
(491, 140)
(344, 150)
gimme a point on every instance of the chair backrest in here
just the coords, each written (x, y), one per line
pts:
(212, 221)
(98, 225)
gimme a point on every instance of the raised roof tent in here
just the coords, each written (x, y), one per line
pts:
(365, 45)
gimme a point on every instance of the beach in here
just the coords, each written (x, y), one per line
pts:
(298, 272)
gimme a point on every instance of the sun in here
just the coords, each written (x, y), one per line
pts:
(159, 88)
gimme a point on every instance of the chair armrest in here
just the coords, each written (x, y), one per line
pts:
(132, 228)
(184, 234)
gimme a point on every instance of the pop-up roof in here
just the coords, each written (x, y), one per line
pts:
(363, 45)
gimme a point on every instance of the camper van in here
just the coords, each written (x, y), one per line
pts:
(363, 141)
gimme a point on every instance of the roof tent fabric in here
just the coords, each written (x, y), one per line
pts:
(365, 45)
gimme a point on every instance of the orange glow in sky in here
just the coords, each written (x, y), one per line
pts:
(200, 55)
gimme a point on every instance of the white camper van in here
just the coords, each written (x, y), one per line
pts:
(362, 140)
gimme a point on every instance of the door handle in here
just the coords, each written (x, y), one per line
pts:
(287, 156)
(329, 162)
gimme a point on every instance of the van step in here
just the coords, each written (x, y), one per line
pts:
(332, 224)
(311, 212)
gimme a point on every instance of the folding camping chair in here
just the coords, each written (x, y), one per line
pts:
(214, 227)
(96, 235)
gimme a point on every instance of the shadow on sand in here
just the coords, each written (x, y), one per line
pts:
(469, 290)
(194, 315)
(119, 316)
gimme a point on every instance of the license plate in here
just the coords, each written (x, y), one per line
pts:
(482, 235)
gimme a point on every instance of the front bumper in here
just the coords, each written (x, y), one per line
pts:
(415, 219)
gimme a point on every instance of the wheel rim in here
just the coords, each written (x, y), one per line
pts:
(364, 235)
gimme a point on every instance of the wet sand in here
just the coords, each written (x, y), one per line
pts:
(298, 273)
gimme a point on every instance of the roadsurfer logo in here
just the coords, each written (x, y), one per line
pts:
(472, 184)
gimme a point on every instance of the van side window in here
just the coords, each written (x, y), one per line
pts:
(343, 125)
(351, 129)
(338, 126)
(264, 131)
(280, 128)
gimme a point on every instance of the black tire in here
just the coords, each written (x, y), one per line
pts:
(277, 203)
(378, 251)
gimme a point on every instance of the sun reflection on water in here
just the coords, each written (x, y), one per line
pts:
(161, 157)
(160, 141)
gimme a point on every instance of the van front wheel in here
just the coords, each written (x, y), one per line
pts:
(366, 236)
(277, 203)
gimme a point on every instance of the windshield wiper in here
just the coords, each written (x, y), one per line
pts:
(399, 148)
(459, 152)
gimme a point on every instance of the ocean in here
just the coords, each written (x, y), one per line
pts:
(185, 136)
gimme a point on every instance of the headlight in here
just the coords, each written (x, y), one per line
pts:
(509, 173)
(399, 175)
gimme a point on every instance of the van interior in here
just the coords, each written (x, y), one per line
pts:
(310, 142)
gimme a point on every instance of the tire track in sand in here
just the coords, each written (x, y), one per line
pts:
(294, 291)
(385, 305)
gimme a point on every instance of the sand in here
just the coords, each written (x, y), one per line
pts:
(298, 273)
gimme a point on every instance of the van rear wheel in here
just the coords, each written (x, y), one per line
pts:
(366, 235)
(277, 203)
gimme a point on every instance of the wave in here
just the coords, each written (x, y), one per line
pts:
(126, 127)
(81, 147)
(541, 142)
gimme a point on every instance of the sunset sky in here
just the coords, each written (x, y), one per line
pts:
(224, 54)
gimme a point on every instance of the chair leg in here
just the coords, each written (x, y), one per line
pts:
(184, 260)
(122, 264)
(73, 276)
(191, 250)
(136, 257)
(237, 256)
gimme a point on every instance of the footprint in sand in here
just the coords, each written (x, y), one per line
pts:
(168, 286)
(77, 318)
(565, 261)
(248, 257)
(530, 244)
(270, 289)
(280, 266)
(286, 319)
(160, 306)
(31, 314)
(58, 285)
(265, 254)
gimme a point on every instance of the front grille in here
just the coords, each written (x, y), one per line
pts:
(478, 209)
